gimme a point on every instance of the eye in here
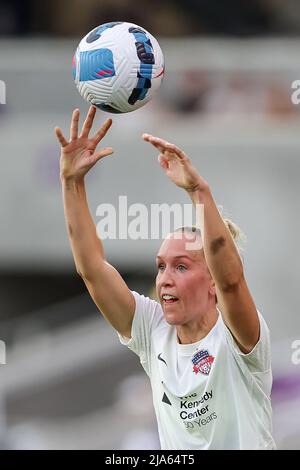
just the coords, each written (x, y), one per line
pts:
(160, 267)
(181, 268)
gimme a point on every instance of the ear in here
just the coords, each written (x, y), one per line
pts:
(212, 291)
(212, 288)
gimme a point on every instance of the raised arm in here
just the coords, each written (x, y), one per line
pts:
(222, 258)
(104, 283)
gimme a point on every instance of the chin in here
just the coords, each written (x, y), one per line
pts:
(172, 319)
(173, 316)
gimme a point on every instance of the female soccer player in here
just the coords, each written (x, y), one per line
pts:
(205, 347)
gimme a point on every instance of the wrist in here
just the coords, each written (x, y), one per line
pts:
(71, 182)
(200, 194)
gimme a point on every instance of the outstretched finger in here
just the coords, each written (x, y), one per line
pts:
(63, 142)
(165, 146)
(87, 125)
(74, 125)
(178, 152)
(102, 132)
(154, 141)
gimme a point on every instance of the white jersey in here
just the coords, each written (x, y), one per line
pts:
(206, 395)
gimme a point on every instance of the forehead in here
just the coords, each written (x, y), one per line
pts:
(174, 247)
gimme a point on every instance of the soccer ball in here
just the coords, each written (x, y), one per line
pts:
(118, 67)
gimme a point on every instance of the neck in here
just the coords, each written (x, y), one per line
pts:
(197, 329)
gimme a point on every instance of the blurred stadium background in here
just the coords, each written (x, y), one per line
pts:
(226, 99)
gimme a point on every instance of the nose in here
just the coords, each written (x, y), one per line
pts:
(166, 278)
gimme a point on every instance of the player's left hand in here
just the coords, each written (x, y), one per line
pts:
(177, 165)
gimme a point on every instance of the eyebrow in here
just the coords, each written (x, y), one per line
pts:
(176, 257)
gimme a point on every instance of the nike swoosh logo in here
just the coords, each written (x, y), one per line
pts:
(161, 359)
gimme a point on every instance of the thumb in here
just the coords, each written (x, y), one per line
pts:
(162, 161)
(103, 153)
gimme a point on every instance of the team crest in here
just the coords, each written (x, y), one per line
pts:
(202, 362)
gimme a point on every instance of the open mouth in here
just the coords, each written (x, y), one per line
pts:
(169, 299)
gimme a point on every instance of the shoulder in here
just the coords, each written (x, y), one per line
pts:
(145, 303)
(259, 358)
(147, 309)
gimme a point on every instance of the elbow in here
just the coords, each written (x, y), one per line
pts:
(86, 277)
(91, 271)
(80, 274)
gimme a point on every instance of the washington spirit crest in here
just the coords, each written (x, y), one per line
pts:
(202, 362)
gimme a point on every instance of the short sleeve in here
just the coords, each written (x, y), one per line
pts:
(259, 359)
(147, 314)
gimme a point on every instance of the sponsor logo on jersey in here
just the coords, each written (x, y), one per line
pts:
(202, 362)
(166, 400)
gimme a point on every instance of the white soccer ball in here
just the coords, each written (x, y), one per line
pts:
(118, 67)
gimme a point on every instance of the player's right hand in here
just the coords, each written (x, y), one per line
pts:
(78, 155)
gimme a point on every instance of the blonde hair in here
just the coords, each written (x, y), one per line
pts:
(237, 234)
